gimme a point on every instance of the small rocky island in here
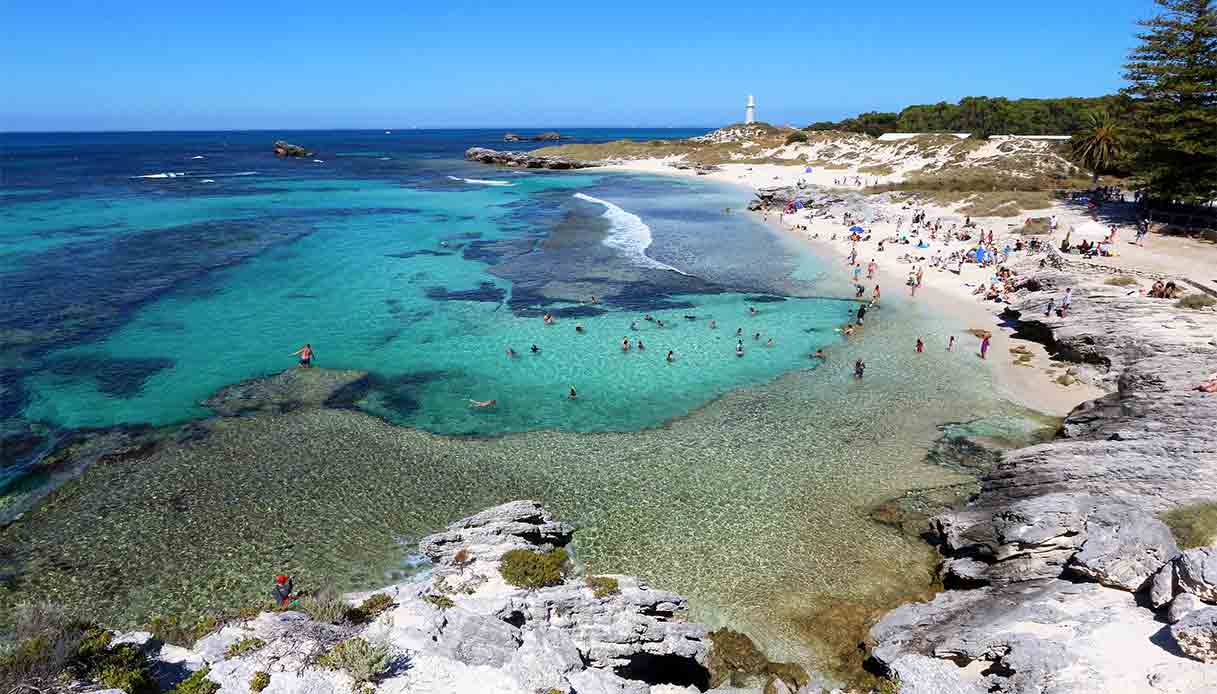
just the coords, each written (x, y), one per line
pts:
(284, 148)
(543, 137)
(525, 160)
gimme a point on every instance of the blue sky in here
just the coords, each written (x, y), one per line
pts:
(101, 65)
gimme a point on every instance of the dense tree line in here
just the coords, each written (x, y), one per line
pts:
(983, 115)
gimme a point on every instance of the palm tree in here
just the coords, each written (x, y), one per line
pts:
(1098, 146)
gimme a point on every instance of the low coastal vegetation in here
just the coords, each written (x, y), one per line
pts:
(363, 660)
(527, 569)
(1194, 525)
(244, 647)
(602, 586)
(442, 602)
(51, 647)
(370, 608)
(1196, 301)
(325, 606)
(259, 681)
(197, 683)
(1121, 281)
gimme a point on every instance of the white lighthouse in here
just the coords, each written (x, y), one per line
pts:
(750, 111)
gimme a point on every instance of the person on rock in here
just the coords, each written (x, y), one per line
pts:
(306, 355)
(282, 592)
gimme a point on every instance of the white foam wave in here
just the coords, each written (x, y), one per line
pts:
(319, 161)
(209, 176)
(200, 156)
(166, 174)
(628, 234)
(207, 180)
(481, 182)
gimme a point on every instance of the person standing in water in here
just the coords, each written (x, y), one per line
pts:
(306, 355)
(984, 346)
(573, 394)
(859, 369)
(951, 344)
(920, 346)
(625, 344)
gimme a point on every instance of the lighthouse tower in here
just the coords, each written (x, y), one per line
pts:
(750, 111)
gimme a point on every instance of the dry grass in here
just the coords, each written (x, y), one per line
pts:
(877, 169)
(1121, 281)
(1196, 301)
(1194, 525)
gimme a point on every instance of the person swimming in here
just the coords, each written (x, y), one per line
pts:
(713, 324)
(769, 343)
(756, 336)
(859, 368)
(535, 349)
(641, 346)
(690, 317)
(752, 310)
(648, 317)
(671, 356)
(573, 394)
(511, 353)
(739, 331)
(819, 354)
(634, 325)
(483, 403)
(548, 319)
(578, 327)
(658, 323)
(625, 344)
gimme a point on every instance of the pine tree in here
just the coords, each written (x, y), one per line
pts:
(1173, 76)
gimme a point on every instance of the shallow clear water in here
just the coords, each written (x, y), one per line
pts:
(741, 482)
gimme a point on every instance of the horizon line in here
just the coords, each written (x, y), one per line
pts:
(365, 129)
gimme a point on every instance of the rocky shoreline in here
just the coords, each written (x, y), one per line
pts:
(1060, 575)
(495, 614)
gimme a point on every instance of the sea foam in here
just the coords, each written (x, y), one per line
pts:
(628, 234)
(481, 182)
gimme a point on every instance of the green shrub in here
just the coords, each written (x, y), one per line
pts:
(796, 136)
(174, 630)
(370, 608)
(325, 606)
(362, 660)
(443, 602)
(1121, 281)
(602, 586)
(259, 681)
(527, 569)
(127, 669)
(244, 646)
(197, 683)
(1196, 301)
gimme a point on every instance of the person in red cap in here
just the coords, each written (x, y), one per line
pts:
(282, 592)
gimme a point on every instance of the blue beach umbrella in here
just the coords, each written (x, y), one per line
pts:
(857, 229)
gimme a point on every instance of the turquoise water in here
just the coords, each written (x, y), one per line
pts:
(424, 273)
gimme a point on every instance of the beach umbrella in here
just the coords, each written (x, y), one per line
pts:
(857, 229)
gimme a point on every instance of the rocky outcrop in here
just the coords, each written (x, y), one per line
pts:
(1060, 561)
(525, 160)
(543, 137)
(289, 390)
(287, 149)
(465, 629)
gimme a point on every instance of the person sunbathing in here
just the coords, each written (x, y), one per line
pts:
(1209, 385)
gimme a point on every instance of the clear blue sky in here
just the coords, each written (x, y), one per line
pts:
(215, 64)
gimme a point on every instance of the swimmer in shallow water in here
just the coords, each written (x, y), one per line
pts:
(739, 348)
(641, 347)
(625, 344)
(769, 343)
(713, 324)
(483, 403)
(671, 356)
(511, 353)
(756, 336)
(819, 354)
(739, 331)
(573, 394)
(535, 349)
(752, 310)
(647, 317)
(578, 327)
(634, 325)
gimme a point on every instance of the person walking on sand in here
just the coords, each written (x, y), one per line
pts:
(870, 269)
(875, 295)
(306, 355)
(1051, 305)
(1067, 301)
(920, 346)
(951, 344)
(984, 346)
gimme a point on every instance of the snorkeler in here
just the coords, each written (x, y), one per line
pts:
(535, 349)
(573, 394)
(483, 403)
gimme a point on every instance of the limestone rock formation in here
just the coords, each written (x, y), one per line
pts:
(524, 160)
(287, 149)
(1049, 559)
(465, 629)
